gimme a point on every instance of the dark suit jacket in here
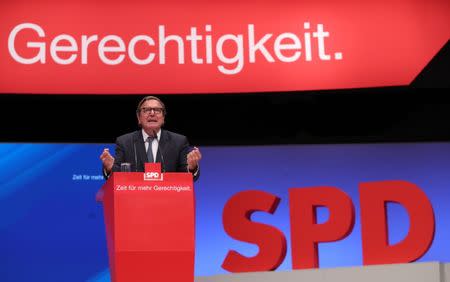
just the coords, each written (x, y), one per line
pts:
(172, 152)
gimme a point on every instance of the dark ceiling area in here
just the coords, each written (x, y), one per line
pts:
(398, 114)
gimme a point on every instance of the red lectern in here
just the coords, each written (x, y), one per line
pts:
(150, 225)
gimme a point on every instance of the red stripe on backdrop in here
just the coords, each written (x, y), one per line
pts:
(135, 47)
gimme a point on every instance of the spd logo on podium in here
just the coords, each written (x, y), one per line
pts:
(153, 175)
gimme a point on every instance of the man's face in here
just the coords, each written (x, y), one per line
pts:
(151, 116)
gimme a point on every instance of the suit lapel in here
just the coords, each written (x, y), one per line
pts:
(162, 146)
(140, 150)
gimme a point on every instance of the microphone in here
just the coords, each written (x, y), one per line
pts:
(160, 150)
(135, 155)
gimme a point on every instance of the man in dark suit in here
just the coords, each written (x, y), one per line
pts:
(152, 144)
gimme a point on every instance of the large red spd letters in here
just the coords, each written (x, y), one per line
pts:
(306, 233)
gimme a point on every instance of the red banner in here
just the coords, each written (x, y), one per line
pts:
(167, 47)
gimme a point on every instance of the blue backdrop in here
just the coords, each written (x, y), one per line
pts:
(51, 228)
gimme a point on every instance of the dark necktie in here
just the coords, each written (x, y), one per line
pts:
(149, 150)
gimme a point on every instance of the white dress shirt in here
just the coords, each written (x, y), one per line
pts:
(154, 143)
